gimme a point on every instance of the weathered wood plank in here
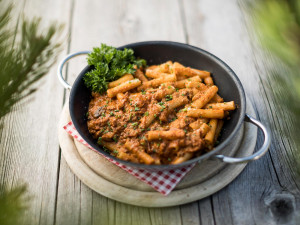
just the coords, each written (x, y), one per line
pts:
(206, 211)
(221, 28)
(170, 215)
(190, 214)
(104, 210)
(255, 197)
(29, 144)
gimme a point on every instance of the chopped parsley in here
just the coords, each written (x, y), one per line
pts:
(115, 139)
(109, 64)
(147, 113)
(116, 152)
(134, 124)
(105, 149)
(169, 97)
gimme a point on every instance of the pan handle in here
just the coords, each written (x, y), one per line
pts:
(264, 148)
(61, 66)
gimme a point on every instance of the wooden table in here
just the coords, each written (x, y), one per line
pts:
(266, 192)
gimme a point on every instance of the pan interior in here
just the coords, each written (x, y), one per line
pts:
(159, 52)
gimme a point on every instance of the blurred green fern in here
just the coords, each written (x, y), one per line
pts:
(24, 62)
(277, 23)
(26, 54)
(13, 204)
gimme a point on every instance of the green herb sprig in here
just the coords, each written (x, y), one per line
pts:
(109, 64)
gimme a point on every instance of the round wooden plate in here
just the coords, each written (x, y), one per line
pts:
(116, 175)
(111, 181)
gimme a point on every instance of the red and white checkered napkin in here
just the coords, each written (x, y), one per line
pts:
(162, 181)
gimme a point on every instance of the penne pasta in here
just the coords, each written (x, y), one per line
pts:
(181, 159)
(153, 112)
(216, 99)
(124, 78)
(118, 151)
(138, 151)
(192, 84)
(120, 96)
(168, 135)
(155, 74)
(209, 137)
(157, 82)
(204, 129)
(140, 75)
(163, 91)
(126, 86)
(163, 116)
(197, 124)
(205, 97)
(208, 81)
(201, 73)
(228, 106)
(181, 83)
(206, 113)
(189, 72)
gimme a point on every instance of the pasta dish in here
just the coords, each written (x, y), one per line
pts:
(162, 114)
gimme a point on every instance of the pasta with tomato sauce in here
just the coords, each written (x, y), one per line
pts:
(163, 114)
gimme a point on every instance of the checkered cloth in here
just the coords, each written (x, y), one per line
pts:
(162, 181)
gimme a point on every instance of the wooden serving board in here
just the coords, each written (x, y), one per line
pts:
(111, 181)
(116, 175)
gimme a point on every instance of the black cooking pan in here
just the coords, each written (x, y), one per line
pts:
(157, 52)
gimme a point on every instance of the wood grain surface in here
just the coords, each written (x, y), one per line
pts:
(267, 192)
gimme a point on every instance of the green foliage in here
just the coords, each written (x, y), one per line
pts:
(24, 62)
(276, 20)
(109, 65)
(277, 23)
(13, 204)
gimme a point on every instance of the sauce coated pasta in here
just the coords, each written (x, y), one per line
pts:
(163, 114)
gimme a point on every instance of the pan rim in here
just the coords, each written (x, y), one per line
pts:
(207, 155)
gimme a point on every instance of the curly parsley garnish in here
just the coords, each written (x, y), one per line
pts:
(109, 64)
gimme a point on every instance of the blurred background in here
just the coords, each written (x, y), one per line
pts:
(259, 40)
